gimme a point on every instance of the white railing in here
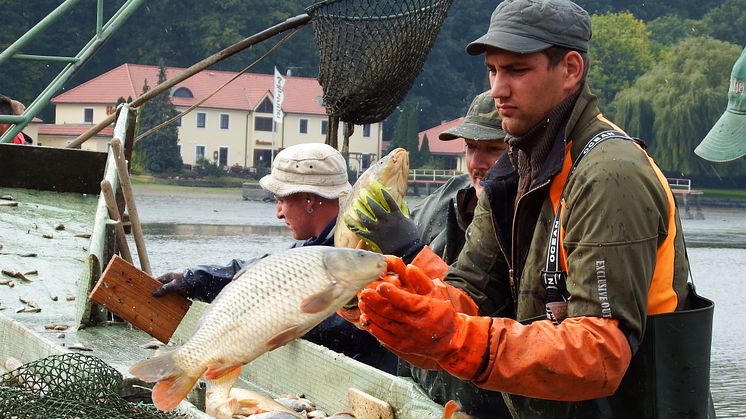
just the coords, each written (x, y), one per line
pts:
(431, 174)
(679, 184)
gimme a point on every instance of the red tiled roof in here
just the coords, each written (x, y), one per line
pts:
(72, 130)
(302, 94)
(443, 147)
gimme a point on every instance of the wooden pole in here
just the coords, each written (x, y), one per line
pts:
(129, 199)
(111, 205)
(239, 46)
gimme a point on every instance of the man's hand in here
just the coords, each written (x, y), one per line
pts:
(386, 227)
(173, 282)
(419, 328)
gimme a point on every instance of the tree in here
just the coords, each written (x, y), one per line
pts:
(425, 157)
(674, 105)
(159, 151)
(619, 53)
(670, 29)
(727, 22)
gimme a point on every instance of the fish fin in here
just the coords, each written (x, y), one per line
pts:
(285, 336)
(157, 368)
(452, 410)
(168, 393)
(223, 374)
(319, 301)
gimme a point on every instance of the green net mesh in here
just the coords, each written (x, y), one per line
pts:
(371, 51)
(69, 386)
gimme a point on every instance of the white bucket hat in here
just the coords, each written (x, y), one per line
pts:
(313, 168)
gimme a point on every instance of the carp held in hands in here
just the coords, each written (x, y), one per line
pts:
(269, 304)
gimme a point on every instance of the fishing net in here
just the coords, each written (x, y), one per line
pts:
(371, 51)
(69, 386)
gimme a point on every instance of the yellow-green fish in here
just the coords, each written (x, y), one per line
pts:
(272, 302)
(390, 172)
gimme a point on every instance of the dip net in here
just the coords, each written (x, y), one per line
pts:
(371, 51)
(69, 386)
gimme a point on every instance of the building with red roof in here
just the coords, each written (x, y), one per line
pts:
(233, 127)
(449, 153)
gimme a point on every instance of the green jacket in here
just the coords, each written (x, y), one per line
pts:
(615, 218)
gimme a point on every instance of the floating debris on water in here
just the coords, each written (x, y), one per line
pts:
(59, 226)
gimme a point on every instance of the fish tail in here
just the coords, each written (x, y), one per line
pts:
(168, 393)
(173, 383)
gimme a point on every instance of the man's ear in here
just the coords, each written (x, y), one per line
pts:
(574, 68)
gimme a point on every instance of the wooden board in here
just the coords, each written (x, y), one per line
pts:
(127, 291)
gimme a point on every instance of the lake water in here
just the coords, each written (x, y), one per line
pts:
(186, 227)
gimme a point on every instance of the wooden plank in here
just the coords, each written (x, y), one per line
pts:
(127, 291)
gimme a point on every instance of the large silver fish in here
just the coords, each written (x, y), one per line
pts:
(274, 301)
(390, 172)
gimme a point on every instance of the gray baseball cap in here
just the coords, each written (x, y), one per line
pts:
(482, 122)
(527, 26)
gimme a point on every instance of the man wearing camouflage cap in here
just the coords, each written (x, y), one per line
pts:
(580, 224)
(440, 222)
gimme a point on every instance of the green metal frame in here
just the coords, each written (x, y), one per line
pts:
(103, 32)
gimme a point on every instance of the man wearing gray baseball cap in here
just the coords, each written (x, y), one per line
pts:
(578, 223)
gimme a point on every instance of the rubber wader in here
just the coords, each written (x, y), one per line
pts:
(669, 377)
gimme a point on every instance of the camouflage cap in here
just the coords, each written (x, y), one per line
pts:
(482, 122)
(527, 26)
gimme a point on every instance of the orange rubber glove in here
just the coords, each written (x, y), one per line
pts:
(418, 327)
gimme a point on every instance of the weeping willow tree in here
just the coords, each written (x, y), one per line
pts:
(674, 105)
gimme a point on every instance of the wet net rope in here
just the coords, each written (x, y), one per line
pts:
(69, 386)
(371, 51)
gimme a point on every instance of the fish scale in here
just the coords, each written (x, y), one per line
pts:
(260, 310)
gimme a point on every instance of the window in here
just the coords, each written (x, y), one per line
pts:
(199, 153)
(263, 123)
(303, 128)
(366, 130)
(223, 156)
(201, 119)
(182, 92)
(324, 126)
(266, 106)
(87, 115)
(224, 120)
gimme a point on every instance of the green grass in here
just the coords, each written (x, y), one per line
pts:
(724, 193)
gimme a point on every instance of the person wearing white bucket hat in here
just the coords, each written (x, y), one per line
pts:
(306, 180)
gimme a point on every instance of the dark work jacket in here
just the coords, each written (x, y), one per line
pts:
(334, 332)
(442, 219)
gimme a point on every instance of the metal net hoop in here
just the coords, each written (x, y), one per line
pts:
(371, 51)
